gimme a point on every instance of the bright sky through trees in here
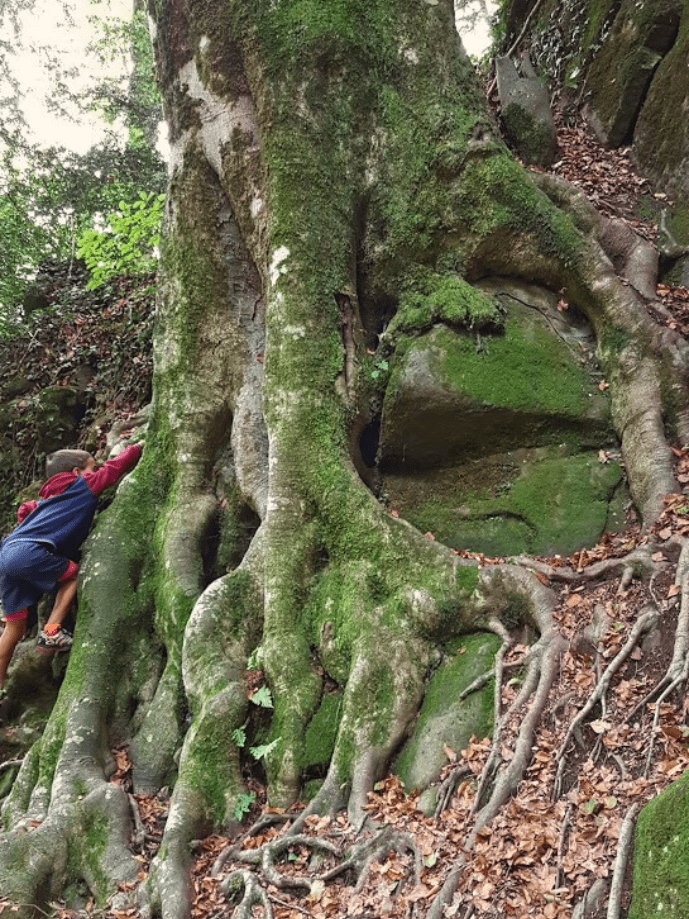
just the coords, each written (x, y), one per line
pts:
(55, 59)
(473, 23)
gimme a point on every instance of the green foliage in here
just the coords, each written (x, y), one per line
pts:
(128, 243)
(380, 367)
(50, 196)
(264, 749)
(243, 804)
(262, 697)
(139, 106)
(239, 736)
(22, 236)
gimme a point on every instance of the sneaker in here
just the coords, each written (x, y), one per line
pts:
(58, 641)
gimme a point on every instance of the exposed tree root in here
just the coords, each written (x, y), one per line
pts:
(561, 845)
(264, 822)
(594, 899)
(139, 833)
(363, 854)
(266, 855)
(618, 873)
(630, 566)
(643, 624)
(367, 851)
(677, 672)
(498, 724)
(543, 665)
(448, 788)
(243, 881)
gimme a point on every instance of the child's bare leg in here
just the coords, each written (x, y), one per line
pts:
(63, 601)
(11, 636)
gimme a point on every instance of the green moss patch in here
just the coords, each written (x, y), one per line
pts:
(523, 502)
(661, 856)
(453, 395)
(321, 733)
(527, 368)
(442, 720)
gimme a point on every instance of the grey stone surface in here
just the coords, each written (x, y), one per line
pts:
(525, 111)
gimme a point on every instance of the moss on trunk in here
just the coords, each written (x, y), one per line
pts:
(332, 161)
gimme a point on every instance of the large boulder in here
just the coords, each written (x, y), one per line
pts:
(641, 35)
(501, 443)
(628, 61)
(661, 134)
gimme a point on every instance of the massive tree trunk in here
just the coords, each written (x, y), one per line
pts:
(332, 164)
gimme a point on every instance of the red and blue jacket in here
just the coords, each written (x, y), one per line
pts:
(63, 515)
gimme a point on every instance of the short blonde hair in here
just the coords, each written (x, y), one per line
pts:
(65, 461)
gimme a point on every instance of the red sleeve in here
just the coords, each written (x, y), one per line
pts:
(25, 509)
(113, 470)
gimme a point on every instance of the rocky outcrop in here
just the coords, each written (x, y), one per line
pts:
(525, 111)
(638, 41)
(500, 441)
(661, 134)
(626, 62)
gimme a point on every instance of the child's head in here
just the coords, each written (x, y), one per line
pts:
(67, 460)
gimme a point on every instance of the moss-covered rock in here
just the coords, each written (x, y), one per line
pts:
(661, 856)
(639, 38)
(491, 441)
(456, 395)
(442, 722)
(645, 45)
(540, 501)
(525, 111)
(661, 134)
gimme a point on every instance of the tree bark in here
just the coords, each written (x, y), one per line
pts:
(325, 157)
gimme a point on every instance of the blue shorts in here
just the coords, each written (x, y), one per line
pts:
(28, 570)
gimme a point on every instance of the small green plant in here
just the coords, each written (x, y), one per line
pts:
(128, 244)
(243, 804)
(262, 697)
(379, 368)
(239, 736)
(259, 752)
(255, 659)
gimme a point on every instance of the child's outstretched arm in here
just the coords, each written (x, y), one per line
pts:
(112, 471)
(25, 509)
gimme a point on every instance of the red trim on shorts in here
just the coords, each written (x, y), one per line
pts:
(70, 572)
(20, 614)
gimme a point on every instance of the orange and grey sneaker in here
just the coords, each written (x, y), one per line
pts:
(53, 638)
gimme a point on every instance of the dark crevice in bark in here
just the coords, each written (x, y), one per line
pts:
(216, 563)
(376, 307)
(368, 442)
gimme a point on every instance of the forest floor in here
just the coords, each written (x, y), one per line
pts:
(543, 851)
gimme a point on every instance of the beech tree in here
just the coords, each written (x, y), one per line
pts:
(337, 188)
